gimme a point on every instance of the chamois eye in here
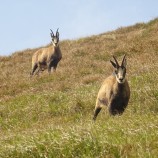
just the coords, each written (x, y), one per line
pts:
(116, 71)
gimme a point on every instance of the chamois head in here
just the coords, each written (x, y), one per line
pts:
(55, 38)
(120, 70)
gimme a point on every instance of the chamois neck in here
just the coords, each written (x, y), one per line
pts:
(56, 47)
(120, 86)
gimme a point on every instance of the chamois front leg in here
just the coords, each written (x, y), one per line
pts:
(96, 112)
(49, 67)
(98, 108)
(53, 63)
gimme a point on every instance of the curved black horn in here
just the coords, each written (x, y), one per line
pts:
(116, 61)
(123, 60)
(57, 33)
(52, 34)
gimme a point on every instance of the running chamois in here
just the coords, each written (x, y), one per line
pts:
(115, 91)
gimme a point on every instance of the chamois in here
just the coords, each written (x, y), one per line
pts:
(115, 91)
(46, 58)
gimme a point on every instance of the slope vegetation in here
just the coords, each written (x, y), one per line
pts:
(51, 116)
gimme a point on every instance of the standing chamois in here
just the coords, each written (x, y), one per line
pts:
(115, 91)
(46, 58)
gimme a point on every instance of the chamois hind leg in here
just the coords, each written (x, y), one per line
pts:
(33, 69)
(37, 72)
(113, 110)
(40, 68)
(98, 108)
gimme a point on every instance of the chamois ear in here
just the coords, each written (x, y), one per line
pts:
(113, 64)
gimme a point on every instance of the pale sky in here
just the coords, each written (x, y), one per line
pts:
(27, 23)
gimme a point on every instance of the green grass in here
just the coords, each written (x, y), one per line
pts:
(60, 124)
(127, 136)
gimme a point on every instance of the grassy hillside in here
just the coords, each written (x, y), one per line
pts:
(51, 116)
